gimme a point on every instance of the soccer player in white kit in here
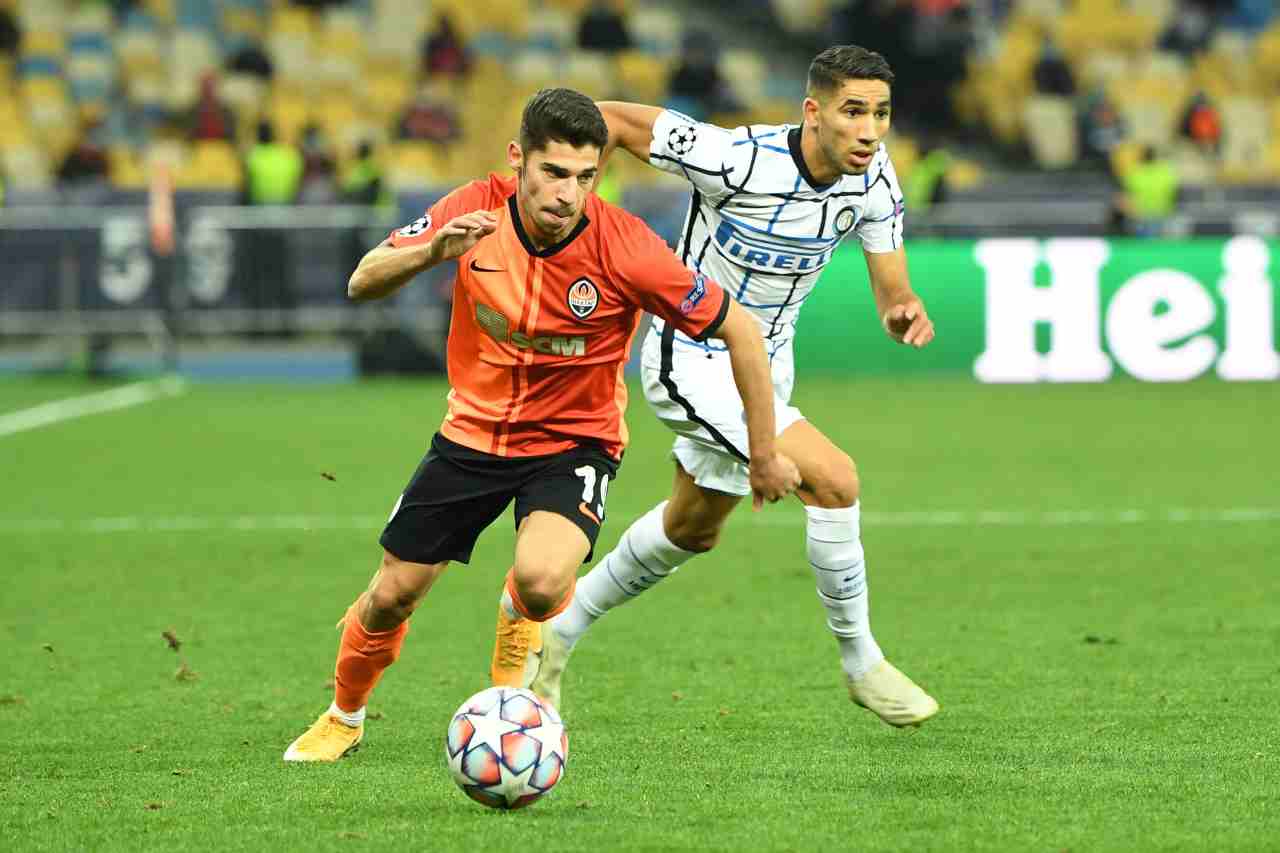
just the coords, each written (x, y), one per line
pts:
(770, 204)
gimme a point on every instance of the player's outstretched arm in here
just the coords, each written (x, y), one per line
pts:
(773, 476)
(630, 126)
(901, 312)
(386, 268)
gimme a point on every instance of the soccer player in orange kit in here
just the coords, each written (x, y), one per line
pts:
(551, 283)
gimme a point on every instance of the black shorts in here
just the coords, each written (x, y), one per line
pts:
(457, 492)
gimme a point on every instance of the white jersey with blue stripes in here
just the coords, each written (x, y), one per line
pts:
(759, 224)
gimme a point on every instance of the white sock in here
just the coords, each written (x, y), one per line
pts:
(351, 718)
(643, 557)
(834, 548)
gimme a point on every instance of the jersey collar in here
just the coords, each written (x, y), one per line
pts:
(793, 144)
(528, 244)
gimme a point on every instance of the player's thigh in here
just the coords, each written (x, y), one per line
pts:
(451, 498)
(549, 550)
(695, 515)
(828, 475)
(574, 486)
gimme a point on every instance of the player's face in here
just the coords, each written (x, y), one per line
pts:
(850, 123)
(554, 182)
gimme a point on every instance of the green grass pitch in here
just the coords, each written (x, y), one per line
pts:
(1089, 586)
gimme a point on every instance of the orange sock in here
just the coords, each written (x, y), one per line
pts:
(362, 658)
(524, 611)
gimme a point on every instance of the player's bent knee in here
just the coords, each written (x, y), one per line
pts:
(835, 483)
(399, 588)
(542, 587)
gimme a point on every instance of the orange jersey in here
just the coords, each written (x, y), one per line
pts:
(539, 338)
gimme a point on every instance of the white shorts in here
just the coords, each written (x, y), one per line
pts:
(690, 388)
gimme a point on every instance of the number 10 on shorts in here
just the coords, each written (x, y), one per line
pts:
(588, 475)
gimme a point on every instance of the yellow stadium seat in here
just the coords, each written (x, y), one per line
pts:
(163, 10)
(26, 167)
(43, 43)
(334, 113)
(239, 21)
(125, 169)
(288, 114)
(38, 90)
(417, 164)
(386, 94)
(642, 76)
(291, 20)
(1051, 131)
(212, 165)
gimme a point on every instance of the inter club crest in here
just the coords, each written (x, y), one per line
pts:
(584, 296)
(845, 220)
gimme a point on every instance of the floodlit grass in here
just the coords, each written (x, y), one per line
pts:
(1108, 679)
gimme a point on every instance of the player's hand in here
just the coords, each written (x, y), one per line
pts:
(773, 480)
(908, 323)
(461, 233)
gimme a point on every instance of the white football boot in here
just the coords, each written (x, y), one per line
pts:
(891, 696)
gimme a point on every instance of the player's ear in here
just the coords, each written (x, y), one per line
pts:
(515, 156)
(810, 109)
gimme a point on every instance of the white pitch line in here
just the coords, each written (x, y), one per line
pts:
(89, 404)
(768, 518)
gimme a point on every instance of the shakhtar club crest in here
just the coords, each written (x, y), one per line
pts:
(584, 296)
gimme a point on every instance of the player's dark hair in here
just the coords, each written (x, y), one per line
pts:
(565, 116)
(835, 65)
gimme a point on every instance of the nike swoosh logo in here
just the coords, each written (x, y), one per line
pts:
(477, 268)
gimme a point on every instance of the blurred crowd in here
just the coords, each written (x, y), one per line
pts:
(287, 101)
(316, 101)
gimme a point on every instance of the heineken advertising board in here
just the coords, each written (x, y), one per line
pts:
(1062, 310)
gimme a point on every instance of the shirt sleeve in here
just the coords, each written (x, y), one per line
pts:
(476, 195)
(700, 153)
(655, 281)
(880, 229)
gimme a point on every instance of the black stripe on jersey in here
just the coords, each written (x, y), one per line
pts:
(773, 326)
(740, 188)
(823, 223)
(723, 172)
(702, 253)
(695, 210)
(664, 376)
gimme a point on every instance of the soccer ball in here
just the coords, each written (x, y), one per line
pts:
(506, 748)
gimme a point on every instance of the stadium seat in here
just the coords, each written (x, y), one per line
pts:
(801, 16)
(535, 67)
(386, 94)
(1051, 131)
(1102, 68)
(241, 24)
(642, 76)
(417, 165)
(656, 30)
(47, 43)
(745, 72)
(553, 30)
(589, 72)
(1245, 125)
(26, 167)
(211, 166)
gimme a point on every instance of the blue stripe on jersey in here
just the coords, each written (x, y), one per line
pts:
(743, 289)
(777, 211)
(783, 129)
(826, 242)
(725, 233)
